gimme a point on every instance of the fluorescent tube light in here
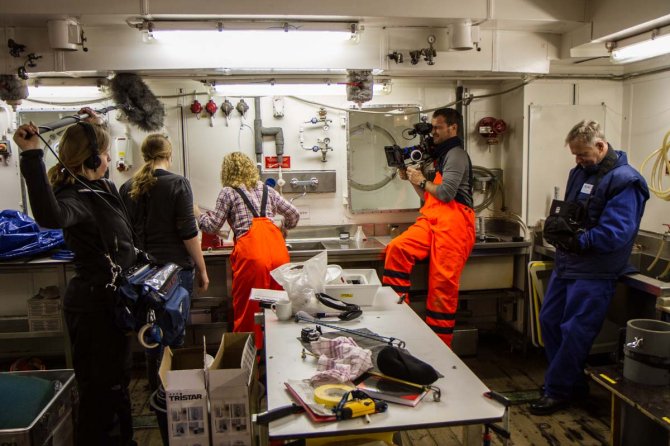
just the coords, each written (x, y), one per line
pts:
(45, 91)
(281, 89)
(252, 37)
(644, 46)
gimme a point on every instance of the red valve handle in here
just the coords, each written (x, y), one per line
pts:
(211, 107)
(196, 107)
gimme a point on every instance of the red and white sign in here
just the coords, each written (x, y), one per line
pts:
(271, 162)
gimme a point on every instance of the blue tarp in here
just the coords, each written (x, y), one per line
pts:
(20, 236)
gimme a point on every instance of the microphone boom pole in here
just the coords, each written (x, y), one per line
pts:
(68, 120)
(131, 94)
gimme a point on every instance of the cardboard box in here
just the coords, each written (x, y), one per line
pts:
(182, 373)
(231, 387)
(355, 286)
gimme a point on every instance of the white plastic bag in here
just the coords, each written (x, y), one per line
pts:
(302, 280)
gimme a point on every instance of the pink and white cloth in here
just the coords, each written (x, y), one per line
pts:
(340, 360)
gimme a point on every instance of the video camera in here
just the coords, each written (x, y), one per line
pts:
(396, 155)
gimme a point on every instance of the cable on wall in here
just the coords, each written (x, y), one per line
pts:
(660, 169)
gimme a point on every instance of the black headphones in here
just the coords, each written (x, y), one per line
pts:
(347, 311)
(93, 161)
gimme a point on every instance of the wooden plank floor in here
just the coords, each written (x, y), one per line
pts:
(511, 372)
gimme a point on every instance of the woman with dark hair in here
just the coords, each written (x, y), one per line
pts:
(248, 206)
(160, 204)
(76, 197)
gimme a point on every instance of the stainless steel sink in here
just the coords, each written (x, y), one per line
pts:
(641, 261)
(648, 281)
(304, 246)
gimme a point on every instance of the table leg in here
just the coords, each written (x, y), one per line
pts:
(472, 435)
(615, 421)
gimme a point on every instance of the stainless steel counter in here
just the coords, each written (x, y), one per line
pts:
(643, 280)
(372, 248)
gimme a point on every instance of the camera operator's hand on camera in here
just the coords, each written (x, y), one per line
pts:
(402, 173)
(26, 137)
(415, 175)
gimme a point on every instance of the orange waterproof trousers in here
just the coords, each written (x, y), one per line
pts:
(255, 254)
(446, 233)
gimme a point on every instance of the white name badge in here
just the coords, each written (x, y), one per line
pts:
(587, 188)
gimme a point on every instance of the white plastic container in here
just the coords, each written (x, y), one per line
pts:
(355, 286)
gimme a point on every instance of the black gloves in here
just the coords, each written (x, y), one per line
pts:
(567, 242)
(559, 233)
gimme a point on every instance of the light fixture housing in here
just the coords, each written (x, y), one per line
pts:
(303, 88)
(176, 30)
(640, 47)
(65, 91)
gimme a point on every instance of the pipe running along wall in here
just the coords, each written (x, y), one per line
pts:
(260, 132)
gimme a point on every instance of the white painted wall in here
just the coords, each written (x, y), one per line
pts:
(206, 144)
(636, 120)
(645, 122)
(567, 92)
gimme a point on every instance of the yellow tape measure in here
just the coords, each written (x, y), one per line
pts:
(330, 394)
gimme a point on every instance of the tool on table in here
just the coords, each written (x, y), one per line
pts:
(306, 317)
(268, 416)
(347, 403)
(309, 334)
(357, 403)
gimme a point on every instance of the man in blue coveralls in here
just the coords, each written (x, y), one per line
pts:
(593, 230)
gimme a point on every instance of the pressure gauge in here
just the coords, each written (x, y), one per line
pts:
(431, 39)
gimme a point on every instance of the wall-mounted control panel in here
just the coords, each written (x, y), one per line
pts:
(297, 181)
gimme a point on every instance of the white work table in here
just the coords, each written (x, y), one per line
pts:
(462, 401)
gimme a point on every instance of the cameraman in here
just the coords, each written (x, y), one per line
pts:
(445, 231)
(593, 244)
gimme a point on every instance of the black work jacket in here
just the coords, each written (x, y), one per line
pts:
(85, 217)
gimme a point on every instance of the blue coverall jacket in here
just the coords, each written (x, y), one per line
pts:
(582, 284)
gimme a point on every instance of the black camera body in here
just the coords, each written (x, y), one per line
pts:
(397, 156)
(422, 129)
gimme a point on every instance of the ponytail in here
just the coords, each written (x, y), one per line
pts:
(154, 147)
(143, 180)
(58, 176)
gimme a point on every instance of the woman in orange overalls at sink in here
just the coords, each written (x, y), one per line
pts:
(249, 206)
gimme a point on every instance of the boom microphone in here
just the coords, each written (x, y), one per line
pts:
(131, 95)
(138, 102)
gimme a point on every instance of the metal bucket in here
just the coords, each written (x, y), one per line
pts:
(647, 352)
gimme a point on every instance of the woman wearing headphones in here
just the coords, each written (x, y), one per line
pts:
(160, 205)
(248, 205)
(76, 197)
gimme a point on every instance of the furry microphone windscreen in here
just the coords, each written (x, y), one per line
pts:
(138, 102)
(12, 88)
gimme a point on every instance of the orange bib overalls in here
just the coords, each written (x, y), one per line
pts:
(257, 252)
(446, 233)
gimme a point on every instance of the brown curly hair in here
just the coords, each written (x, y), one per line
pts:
(75, 148)
(155, 147)
(237, 169)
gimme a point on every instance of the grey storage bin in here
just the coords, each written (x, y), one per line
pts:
(53, 425)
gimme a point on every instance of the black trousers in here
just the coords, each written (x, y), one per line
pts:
(102, 363)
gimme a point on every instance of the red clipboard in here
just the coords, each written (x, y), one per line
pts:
(315, 417)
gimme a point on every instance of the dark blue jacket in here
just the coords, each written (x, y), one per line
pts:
(615, 207)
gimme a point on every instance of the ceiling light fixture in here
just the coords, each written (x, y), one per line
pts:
(232, 30)
(50, 92)
(640, 47)
(272, 88)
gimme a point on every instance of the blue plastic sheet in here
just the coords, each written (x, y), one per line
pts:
(20, 236)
